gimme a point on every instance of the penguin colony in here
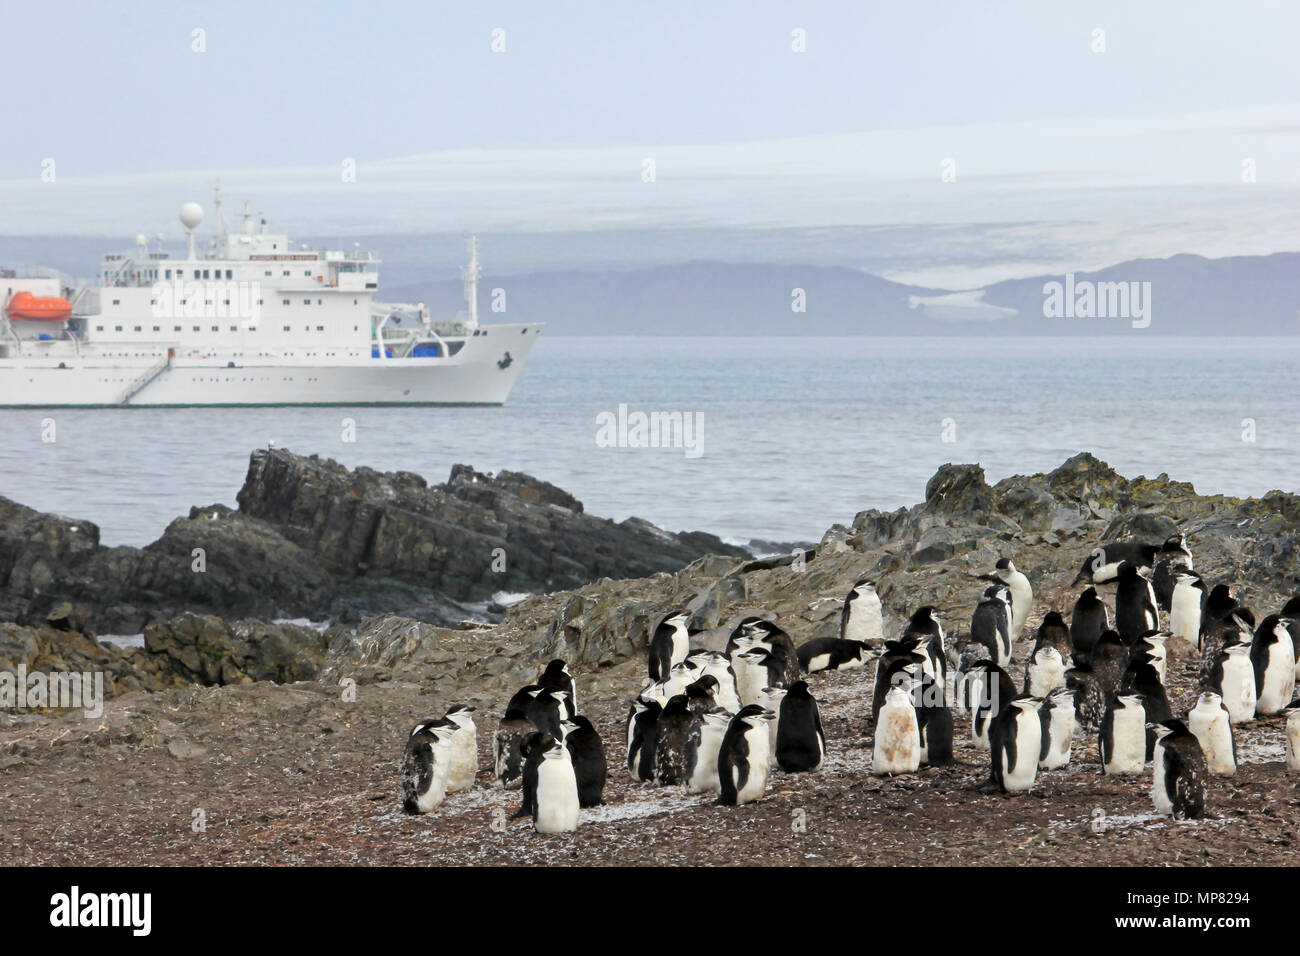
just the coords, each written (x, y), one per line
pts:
(718, 721)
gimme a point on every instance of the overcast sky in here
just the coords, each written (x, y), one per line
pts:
(551, 133)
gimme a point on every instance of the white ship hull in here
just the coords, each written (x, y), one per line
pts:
(474, 376)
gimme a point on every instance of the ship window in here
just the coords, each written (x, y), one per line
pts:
(157, 328)
(286, 271)
(306, 301)
(99, 328)
(226, 301)
(138, 329)
(176, 328)
(318, 301)
(286, 328)
(354, 301)
(197, 329)
(117, 301)
(284, 301)
(197, 274)
(205, 273)
(307, 273)
(169, 273)
(117, 328)
(320, 328)
(234, 328)
(229, 274)
(216, 328)
(268, 273)
(259, 301)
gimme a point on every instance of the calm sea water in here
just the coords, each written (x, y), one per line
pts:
(797, 433)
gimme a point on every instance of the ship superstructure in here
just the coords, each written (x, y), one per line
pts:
(255, 320)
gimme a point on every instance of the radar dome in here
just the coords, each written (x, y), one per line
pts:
(191, 215)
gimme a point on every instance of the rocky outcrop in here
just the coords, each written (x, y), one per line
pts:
(473, 536)
(203, 649)
(52, 650)
(313, 539)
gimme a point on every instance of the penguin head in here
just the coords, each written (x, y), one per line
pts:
(1062, 697)
(681, 669)
(926, 618)
(864, 651)
(554, 669)
(1052, 619)
(864, 586)
(1210, 700)
(799, 689)
(998, 592)
(708, 684)
(1089, 597)
(1095, 560)
(1127, 571)
(554, 750)
(1292, 607)
(754, 715)
(676, 619)
(461, 715)
(718, 717)
(678, 704)
(1175, 542)
(1129, 700)
(580, 722)
(775, 694)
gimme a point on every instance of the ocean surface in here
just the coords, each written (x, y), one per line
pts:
(797, 433)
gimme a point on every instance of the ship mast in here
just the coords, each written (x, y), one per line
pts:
(470, 274)
(219, 226)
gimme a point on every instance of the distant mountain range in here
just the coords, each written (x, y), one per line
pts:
(1181, 295)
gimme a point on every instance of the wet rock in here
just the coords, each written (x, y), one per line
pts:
(206, 650)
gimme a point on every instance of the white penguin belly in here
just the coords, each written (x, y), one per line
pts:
(1185, 614)
(556, 797)
(760, 763)
(1046, 676)
(704, 775)
(1239, 688)
(437, 792)
(1159, 789)
(1060, 729)
(1029, 742)
(1279, 681)
(1128, 741)
(750, 681)
(866, 623)
(898, 741)
(1022, 599)
(464, 759)
(1212, 730)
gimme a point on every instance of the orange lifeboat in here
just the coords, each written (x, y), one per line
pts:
(25, 307)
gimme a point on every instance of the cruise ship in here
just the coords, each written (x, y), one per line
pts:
(253, 321)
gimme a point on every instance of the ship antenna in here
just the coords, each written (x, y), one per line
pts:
(470, 274)
(219, 226)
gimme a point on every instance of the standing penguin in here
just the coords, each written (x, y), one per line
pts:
(934, 722)
(1056, 714)
(1151, 646)
(671, 730)
(1135, 604)
(464, 749)
(1290, 615)
(772, 698)
(1272, 655)
(590, 768)
(426, 765)
(990, 624)
(556, 677)
(669, 644)
(554, 788)
(545, 709)
(861, 619)
(718, 666)
(512, 730)
(1054, 633)
(745, 757)
(1233, 678)
(897, 744)
(780, 646)
(1015, 744)
(1178, 779)
(996, 690)
(1143, 681)
(1174, 557)
(966, 678)
(1237, 627)
(800, 742)
(702, 749)
(1045, 671)
(1219, 605)
(1123, 738)
(1185, 603)
(1089, 622)
(900, 658)
(1210, 721)
(925, 628)
(1022, 595)
(642, 733)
